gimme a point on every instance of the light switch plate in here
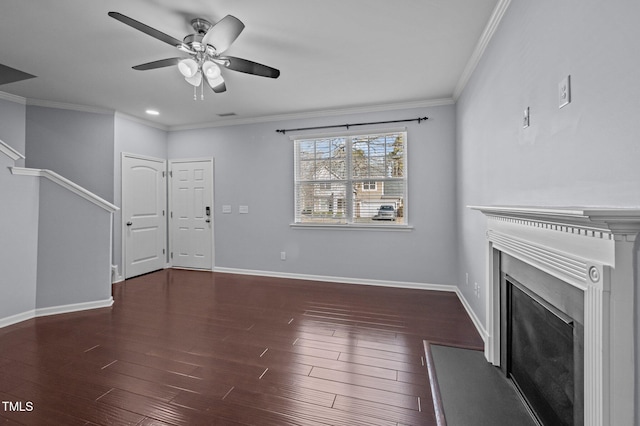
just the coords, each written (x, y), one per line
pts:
(226, 209)
(525, 118)
(244, 209)
(564, 92)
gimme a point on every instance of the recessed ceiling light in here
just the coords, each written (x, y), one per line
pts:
(152, 112)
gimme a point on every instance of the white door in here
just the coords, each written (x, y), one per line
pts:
(192, 213)
(143, 214)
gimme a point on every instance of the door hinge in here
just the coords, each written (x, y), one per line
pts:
(162, 251)
(171, 173)
(172, 255)
(162, 212)
(163, 174)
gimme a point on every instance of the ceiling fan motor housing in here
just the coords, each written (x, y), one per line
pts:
(201, 26)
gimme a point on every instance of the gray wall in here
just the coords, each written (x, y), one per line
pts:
(12, 126)
(254, 167)
(18, 219)
(74, 249)
(76, 144)
(19, 234)
(583, 154)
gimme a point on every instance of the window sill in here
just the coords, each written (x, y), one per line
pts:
(352, 227)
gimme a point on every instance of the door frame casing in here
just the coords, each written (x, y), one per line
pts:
(123, 230)
(170, 163)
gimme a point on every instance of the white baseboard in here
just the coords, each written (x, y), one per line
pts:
(474, 318)
(14, 319)
(361, 281)
(55, 310)
(75, 307)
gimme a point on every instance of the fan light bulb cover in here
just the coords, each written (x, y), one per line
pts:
(188, 67)
(211, 70)
(195, 80)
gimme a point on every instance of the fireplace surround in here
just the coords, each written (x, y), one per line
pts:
(594, 253)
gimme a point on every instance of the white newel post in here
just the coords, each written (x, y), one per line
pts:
(594, 250)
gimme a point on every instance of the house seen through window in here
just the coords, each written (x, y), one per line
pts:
(355, 179)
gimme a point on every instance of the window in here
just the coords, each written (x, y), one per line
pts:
(357, 179)
(370, 185)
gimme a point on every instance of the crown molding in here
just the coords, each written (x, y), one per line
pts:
(483, 42)
(317, 114)
(142, 121)
(72, 107)
(13, 98)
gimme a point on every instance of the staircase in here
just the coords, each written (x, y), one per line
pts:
(56, 250)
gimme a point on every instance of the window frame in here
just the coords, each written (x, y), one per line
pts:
(350, 183)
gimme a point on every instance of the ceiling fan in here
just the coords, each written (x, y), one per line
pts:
(205, 48)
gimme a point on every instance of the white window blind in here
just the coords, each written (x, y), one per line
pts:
(353, 179)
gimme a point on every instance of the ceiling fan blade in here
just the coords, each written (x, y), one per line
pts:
(223, 33)
(157, 64)
(250, 67)
(146, 29)
(217, 84)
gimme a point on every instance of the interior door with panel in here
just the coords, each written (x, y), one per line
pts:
(143, 214)
(192, 213)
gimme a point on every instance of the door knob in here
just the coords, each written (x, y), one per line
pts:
(129, 223)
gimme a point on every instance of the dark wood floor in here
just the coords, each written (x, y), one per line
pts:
(199, 348)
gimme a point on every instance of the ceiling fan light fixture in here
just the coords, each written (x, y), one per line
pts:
(211, 70)
(195, 80)
(216, 81)
(188, 67)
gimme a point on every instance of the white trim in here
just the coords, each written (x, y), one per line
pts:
(142, 157)
(72, 107)
(10, 152)
(128, 117)
(74, 307)
(317, 114)
(14, 319)
(340, 280)
(67, 184)
(474, 318)
(55, 310)
(483, 42)
(13, 98)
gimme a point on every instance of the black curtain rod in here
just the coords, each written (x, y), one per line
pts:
(283, 131)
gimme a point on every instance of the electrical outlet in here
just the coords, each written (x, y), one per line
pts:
(564, 92)
(467, 279)
(283, 255)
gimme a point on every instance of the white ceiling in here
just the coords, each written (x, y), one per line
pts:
(332, 54)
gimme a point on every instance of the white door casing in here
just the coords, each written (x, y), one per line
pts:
(143, 214)
(191, 218)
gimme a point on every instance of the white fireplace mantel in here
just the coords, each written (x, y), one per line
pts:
(595, 250)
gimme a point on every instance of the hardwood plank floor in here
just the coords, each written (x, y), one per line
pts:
(198, 348)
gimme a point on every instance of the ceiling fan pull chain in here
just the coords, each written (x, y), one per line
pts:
(202, 90)
(195, 96)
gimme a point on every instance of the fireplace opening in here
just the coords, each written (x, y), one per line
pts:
(542, 343)
(540, 357)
